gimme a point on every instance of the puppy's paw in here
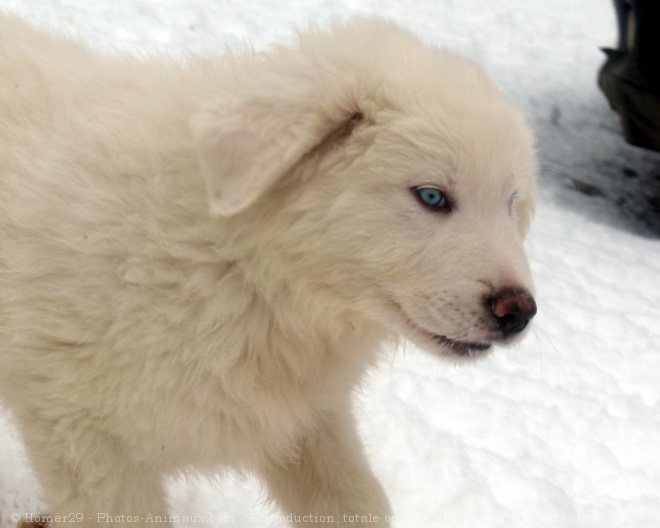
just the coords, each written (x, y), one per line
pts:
(39, 521)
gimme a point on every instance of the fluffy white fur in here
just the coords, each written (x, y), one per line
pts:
(199, 262)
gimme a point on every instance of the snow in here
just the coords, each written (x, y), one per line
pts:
(563, 430)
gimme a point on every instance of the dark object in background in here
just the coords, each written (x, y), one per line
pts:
(630, 77)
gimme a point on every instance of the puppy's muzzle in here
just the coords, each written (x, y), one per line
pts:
(513, 309)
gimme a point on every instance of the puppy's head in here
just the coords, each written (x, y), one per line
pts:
(391, 175)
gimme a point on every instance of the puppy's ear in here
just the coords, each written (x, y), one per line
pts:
(525, 216)
(248, 144)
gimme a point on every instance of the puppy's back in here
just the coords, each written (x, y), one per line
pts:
(96, 157)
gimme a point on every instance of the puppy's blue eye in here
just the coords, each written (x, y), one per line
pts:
(432, 197)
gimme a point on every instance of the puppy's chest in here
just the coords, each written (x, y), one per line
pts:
(248, 419)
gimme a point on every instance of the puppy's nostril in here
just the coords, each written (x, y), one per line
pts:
(513, 310)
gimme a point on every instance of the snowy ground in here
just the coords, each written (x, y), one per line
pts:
(558, 432)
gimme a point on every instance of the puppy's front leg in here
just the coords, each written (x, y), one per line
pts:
(329, 481)
(89, 480)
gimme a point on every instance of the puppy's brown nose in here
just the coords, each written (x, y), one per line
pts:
(513, 309)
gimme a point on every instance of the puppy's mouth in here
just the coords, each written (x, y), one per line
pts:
(463, 348)
(460, 348)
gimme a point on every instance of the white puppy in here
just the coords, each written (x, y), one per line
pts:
(362, 185)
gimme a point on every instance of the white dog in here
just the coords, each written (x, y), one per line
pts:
(362, 185)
